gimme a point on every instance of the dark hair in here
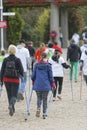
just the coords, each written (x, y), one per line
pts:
(21, 41)
(50, 45)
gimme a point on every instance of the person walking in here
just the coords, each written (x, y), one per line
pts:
(10, 77)
(73, 56)
(24, 55)
(39, 51)
(56, 46)
(43, 82)
(58, 64)
(83, 65)
(32, 53)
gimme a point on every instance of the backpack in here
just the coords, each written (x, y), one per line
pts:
(50, 54)
(10, 70)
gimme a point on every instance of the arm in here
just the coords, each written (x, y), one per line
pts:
(50, 75)
(20, 67)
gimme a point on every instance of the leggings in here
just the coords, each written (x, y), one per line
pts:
(58, 82)
(42, 97)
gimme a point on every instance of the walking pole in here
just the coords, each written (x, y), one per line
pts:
(28, 105)
(27, 97)
(71, 88)
(0, 91)
(50, 99)
(81, 88)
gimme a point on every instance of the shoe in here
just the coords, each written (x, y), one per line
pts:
(11, 111)
(54, 99)
(21, 96)
(75, 81)
(38, 113)
(44, 116)
(59, 97)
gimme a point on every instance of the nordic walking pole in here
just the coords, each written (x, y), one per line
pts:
(50, 99)
(28, 105)
(0, 91)
(81, 88)
(71, 89)
(71, 83)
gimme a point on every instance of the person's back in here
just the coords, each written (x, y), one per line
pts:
(42, 82)
(73, 56)
(23, 54)
(31, 49)
(73, 52)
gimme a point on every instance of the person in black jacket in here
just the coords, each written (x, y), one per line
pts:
(11, 83)
(73, 56)
(32, 53)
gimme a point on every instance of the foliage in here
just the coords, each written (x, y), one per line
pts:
(76, 21)
(41, 25)
(15, 25)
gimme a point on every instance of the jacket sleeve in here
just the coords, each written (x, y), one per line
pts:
(50, 75)
(20, 67)
(28, 58)
(33, 76)
(2, 70)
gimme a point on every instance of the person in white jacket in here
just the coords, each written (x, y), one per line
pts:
(58, 63)
(83, 65)
(24, 56)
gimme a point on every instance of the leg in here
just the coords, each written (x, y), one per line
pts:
(75, 71)
(85, 78)
(8, 90)
(39, 101)
(54, 93)
(22, 85)
(60, 85)
(45, 96)
(71, 70)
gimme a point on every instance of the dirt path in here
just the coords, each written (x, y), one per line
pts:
(62, 115)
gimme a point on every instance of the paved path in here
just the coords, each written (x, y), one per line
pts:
(62, 115)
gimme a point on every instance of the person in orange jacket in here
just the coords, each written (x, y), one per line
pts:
(39, 52)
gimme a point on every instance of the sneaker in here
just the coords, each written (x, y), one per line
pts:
(44, 116)
(11, 111)
(75, 81)
(38, 113)
(21, 96)
(54, 99)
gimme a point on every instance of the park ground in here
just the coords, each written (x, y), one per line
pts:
(65, 114)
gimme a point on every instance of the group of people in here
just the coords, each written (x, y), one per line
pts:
(47, 66)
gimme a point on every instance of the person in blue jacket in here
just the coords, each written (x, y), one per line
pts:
(43, 82)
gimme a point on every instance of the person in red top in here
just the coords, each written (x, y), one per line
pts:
(39, 52)
(55, 46)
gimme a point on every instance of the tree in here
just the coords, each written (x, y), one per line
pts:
(76, 21)
(41, 25)
(15, 25)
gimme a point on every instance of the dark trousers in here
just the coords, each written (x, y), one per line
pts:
(12, 91)
(58, 82)
(85, 78)
(42, 97)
